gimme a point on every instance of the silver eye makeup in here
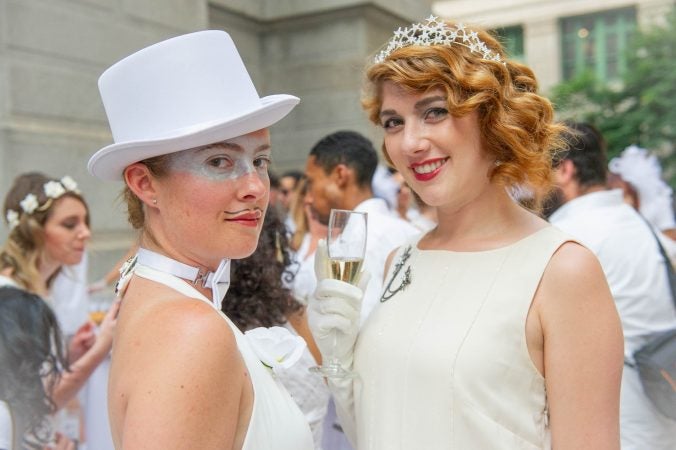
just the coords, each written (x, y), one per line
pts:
(221, 162)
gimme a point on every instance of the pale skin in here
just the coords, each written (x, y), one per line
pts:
(573, 332)
(66, 235)
(177, 378)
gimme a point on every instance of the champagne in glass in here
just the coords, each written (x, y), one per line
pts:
(346, 245)
(347, 270)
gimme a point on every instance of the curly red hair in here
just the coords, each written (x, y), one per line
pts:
(517, 124)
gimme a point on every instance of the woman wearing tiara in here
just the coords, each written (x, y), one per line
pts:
(495, 330)
(193, 148)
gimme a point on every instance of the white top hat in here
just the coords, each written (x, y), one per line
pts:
(181, 93)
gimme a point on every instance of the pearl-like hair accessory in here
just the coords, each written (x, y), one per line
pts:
(435, 32)
(53, 190)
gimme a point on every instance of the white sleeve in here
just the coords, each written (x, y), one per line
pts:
(6, 429)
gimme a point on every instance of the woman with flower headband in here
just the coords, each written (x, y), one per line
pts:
(495, 330)
(193, 148)
(49, 228)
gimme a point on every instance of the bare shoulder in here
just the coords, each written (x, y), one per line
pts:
(583, 350)
(165, 336)
(176, 355)
(573, 285)
(184, 327)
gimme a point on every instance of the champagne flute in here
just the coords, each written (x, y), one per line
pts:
(346, 245)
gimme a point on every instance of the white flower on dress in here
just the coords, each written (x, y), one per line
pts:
(276, 347)
(29, 204)
(54, 189)
(69, 183)
(12, 218)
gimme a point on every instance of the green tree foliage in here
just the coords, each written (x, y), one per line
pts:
(639, 109)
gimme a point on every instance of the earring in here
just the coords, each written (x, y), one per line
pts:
(154, 201)
(498, 163)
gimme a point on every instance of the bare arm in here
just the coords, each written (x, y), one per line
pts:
(70, 382)
(583, 351)
(189, 386)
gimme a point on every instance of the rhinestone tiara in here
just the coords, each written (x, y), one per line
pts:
(435, 32)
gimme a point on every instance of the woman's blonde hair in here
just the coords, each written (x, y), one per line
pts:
(24, 248)
(516, 123)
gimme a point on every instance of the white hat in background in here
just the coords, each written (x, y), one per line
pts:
(178, 94)
(640, 168)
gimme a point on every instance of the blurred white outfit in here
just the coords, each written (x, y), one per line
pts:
(70, 300)
(637, 277)
(6, 430)
(308, 390)
(69, 297)
(640, 168)
(304, 282)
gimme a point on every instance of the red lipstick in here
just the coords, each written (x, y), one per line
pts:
(428, 169)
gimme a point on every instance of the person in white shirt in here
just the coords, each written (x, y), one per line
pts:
(634, 268)
(339, 171)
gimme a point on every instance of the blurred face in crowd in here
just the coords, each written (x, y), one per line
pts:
(66, 232)
(323, 193)
(286, 188)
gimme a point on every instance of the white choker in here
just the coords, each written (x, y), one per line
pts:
(218, 281)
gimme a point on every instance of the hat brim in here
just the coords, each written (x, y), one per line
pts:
(109, 162)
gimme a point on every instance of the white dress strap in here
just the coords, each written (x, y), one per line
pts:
(276, 422)
(171, 281)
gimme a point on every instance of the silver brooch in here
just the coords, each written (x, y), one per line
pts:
(405, 280)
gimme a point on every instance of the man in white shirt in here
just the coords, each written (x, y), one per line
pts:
(634, 268)
(339, 171)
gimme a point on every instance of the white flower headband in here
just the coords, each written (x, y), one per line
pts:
(435, 32)
(53, 190)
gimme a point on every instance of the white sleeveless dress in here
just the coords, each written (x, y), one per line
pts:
(276, 422)
(444, 364)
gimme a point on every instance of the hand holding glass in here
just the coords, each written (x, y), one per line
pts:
(346, 245)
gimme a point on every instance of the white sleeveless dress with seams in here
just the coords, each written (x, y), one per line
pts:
(444, 363)
(276, 422)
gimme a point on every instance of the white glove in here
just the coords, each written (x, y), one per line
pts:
(334, 311)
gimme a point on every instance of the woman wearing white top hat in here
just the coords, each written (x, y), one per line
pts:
(192, 146)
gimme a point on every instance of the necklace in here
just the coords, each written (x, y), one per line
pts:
(218, 281)
(388, 293)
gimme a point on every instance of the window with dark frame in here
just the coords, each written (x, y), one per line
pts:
(597, 42)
